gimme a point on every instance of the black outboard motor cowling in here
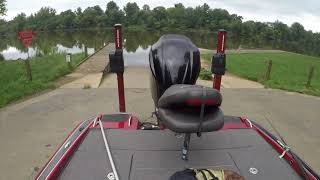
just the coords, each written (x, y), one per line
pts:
(174, 59)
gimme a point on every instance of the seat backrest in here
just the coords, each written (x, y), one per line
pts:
(173, 59)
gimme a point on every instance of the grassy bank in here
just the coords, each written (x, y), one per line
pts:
(13, 80)
(289, 70)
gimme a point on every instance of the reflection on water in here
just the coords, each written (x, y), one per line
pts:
(137, 43)
(73, 50)
(138, 58)
(12, 53)
(46, 43)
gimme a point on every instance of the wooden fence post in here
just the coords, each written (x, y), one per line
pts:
(69, 60)
(28, 69)
(85, 51)
(310, 76)
(268, 72)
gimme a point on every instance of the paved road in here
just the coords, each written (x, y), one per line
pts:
(31, 131)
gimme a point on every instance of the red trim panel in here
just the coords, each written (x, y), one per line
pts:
(120, 125)
(227, 126)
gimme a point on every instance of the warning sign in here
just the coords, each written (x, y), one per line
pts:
(26, 37)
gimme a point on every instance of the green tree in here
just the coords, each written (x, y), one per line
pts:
(114, 14)
(132, 13)
(3, 7)
(112, 6)
(67, 19)
(1, 57)
(160, 17)
(297, 31)
(3, 30)
(78, 12)
(200, 15)
(145, 16)
(281, 34)
(45, 19)
(146, 7)
(19, 22)
(176, 16)
(236, 25)
(77, 20)
(91, 17)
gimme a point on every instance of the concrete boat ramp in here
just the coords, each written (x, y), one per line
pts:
(90, 73)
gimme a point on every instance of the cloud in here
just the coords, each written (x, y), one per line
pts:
(287, 11)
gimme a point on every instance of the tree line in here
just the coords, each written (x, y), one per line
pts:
(292, 38)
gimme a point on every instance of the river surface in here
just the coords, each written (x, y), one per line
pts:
(136, 43)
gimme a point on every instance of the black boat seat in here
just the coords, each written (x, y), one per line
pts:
(180, 105)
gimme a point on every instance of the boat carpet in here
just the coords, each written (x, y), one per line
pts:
(156, 155)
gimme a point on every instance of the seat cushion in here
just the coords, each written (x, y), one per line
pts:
(189, 95)
(180, 106)
(188, 122)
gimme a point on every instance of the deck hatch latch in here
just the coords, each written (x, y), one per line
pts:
(110, 176)
(253, 170)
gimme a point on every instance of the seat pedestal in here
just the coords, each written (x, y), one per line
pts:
(185, 148)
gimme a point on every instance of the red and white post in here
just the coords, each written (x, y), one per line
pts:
(118, 44)
(221, 46)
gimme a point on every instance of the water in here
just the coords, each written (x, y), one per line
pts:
(12, 53)
(136, 43)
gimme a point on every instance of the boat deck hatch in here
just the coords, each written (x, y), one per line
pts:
(156, 155)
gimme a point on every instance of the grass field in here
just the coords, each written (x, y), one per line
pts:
(46, 69)
(289, 70)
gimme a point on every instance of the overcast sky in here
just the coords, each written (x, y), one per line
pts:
(306, 12)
